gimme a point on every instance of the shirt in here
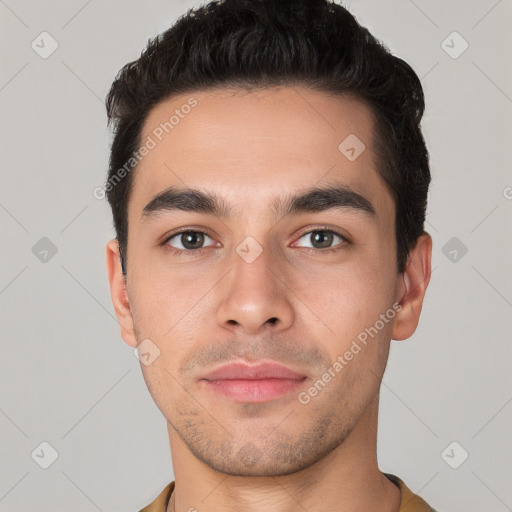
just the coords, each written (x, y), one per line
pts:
(409, 502)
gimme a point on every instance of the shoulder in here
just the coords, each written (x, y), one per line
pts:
(409, 502)
(159, 504)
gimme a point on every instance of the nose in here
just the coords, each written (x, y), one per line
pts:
(255, 297)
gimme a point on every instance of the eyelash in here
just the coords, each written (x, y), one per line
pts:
(190, 252)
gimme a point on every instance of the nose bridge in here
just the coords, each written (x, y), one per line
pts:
(252, 262)
(254, 296)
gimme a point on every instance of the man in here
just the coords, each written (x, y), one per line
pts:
(268, 180)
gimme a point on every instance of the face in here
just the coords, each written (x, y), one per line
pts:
(261, 269)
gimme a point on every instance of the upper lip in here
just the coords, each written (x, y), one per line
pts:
(266, 370)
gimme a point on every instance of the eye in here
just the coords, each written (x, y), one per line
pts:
(322, 239)
(192, 241)
(187, 240)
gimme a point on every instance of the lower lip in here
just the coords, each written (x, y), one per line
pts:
(254, 390)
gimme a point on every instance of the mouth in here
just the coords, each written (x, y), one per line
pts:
(242, 382)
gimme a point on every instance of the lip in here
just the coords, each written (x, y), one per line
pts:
(266, 370)
(242, 382)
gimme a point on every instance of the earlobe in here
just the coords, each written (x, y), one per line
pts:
(119, 294)
(415, 280)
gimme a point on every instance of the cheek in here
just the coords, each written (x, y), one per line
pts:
(172, 313)
(163, 300)
(168, 392)
(344, 300)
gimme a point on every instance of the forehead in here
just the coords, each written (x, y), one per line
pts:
(254, 146)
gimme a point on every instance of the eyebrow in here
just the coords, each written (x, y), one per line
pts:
(317, 199)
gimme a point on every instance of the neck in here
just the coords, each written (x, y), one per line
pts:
(346, 479)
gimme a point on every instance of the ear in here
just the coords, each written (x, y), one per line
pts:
(412, 288)
(119, 294)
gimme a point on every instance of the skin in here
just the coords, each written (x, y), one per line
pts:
(204, 309)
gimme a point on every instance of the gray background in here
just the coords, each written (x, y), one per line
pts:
(69, 380)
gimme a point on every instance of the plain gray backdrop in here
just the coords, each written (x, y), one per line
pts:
(72, 394)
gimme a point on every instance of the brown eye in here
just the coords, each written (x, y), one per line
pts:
(322, 239)
(188, 240)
